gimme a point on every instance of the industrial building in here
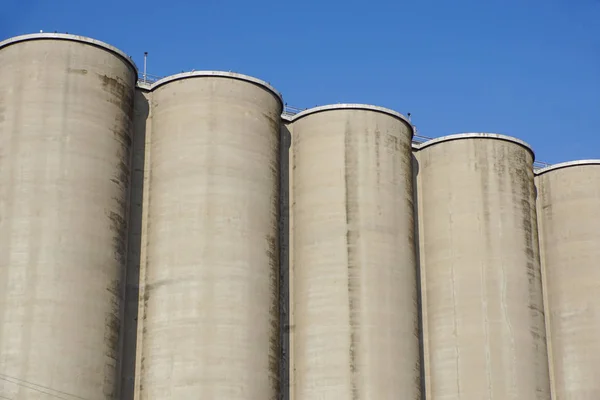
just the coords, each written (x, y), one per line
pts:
(192, 237)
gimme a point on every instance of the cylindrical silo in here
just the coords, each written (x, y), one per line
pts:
(66, 106)
(569, 220)
(211, 315)
(355, 333)
(484, 335)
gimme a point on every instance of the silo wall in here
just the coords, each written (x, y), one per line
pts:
(286, 272)
(210, 324)
(483, 319)
(355, 331)
(66, 108)
(136, 258)
(569, 220)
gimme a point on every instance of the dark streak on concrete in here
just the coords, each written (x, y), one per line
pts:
(79, 71)
(416, 234)
(120, 90)
(378, 154)
(131, 317)
(274, 339)
(284, 265)
(484, 159)
(350, 165)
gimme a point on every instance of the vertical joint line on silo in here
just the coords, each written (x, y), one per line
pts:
(539, 216)
(421, 280)
(350, 185)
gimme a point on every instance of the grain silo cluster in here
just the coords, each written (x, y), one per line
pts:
(188, 239)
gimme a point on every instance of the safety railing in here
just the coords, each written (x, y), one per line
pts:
(290, 111)
(418, 139)
(148, 79)
(540, 164)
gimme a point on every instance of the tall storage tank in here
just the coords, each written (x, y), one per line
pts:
(354, 287)
(66, 106)
(211, 315)
(569, 218)
(484, 335)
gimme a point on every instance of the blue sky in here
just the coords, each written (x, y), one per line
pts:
(525, 68)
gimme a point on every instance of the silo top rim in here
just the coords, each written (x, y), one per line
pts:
(68, 36)
(459, 136)
(567, 164)
(221, 74)
(346, 106)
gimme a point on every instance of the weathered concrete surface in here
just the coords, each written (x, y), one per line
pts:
(569, 217)
(285, 304)
(355, 330)
(420, 288)
(211, 296)
(480, 271)
(65, 139)
(136, 259)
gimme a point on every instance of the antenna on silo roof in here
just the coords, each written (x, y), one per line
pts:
(145, 62)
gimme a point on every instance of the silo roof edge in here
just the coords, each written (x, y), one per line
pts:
(482, 135)
(68, 36)
(567, 164)
(221, 74)
(351, 106)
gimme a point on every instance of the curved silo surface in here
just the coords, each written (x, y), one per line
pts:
(355, 332)
(66, 107)
(480, 269)
(211, 294)
(569, 218)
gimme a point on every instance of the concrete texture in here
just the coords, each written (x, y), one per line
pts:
(137, 240)
(274, 256)
(219, 74)
(285, 273)
(569, 218)
(66, 108)
(483, 320)
(211, 315)
(355, 329)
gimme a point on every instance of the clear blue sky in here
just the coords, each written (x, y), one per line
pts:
(526, 68)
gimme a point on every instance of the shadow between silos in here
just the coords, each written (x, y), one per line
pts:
(415, 173)
(284, 262)
(134, 240)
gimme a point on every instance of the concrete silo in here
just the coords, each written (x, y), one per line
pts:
(66, 106)
(569, 220)
(484, 335)
(355, 316)
(211, 315)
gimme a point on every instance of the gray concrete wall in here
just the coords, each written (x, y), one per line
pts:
(285, 304)
(136, 240)
(355, 330)
(421, 290)
(211, 319)
(66, 108)
(287, 244)
(569, 218)
(484, 335)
